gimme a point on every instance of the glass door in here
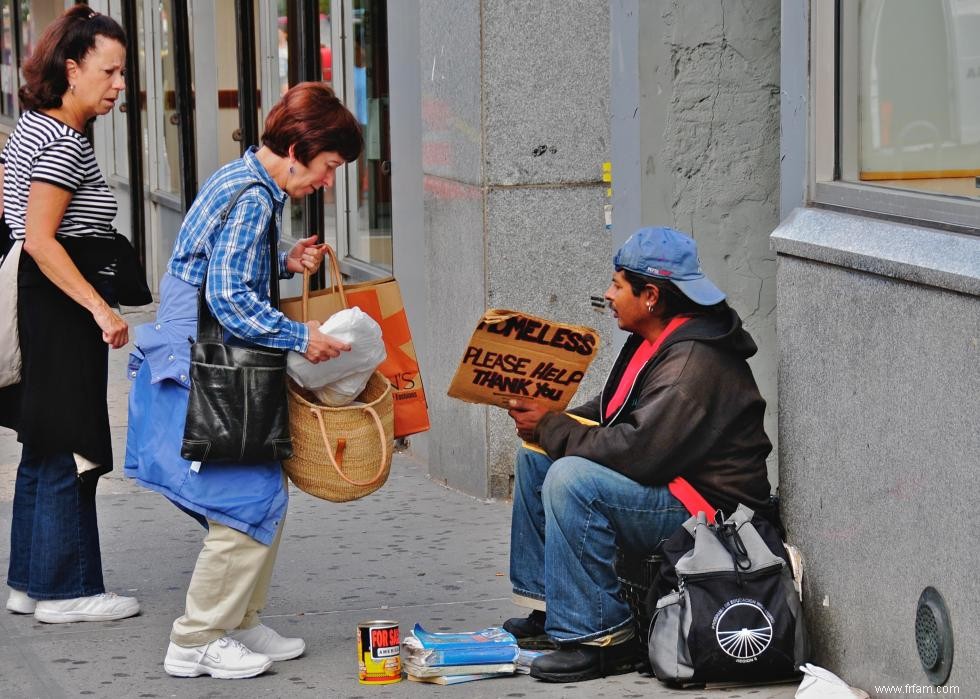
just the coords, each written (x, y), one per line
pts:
(359, 43)
(343, 43)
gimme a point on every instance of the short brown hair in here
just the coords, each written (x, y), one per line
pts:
(310, 118)
(70, 37)
(672, 301)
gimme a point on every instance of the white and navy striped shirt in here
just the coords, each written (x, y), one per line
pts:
(43, 149)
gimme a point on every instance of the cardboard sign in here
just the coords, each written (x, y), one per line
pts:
(516, 355)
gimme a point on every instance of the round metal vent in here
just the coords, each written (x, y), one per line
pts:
(934, 636)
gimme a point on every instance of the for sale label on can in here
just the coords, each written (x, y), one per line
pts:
(378, 652)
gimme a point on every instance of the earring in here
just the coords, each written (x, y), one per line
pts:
(649, 308)
(292, 170)
(72, 88)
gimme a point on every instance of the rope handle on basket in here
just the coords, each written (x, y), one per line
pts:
(333, 462)
(336, 282)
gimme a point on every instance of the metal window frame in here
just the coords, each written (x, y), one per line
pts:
(134, 131)
(304, 65)
(248, 97)
(832, 137)
(303, 37)
(184, 97)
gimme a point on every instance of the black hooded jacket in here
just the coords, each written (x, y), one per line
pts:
(694, 411)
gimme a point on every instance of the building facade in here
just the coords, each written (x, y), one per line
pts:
(878, 320)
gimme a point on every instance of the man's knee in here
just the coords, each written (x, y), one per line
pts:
(569, 480)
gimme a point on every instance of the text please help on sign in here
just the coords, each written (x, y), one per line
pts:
(517, 355)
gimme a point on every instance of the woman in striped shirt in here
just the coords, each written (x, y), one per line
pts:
(57, 202)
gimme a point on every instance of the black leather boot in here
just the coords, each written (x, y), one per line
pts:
(529, 631)
(577, 662)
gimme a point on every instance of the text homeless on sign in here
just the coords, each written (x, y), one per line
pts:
(514, 355)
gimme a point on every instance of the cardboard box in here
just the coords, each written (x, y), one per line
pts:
(517, 355)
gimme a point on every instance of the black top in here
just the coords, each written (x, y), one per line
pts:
(694, 411)
(60, 403)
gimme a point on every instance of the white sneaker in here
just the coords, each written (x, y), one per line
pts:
(20, 603)
(262, 639)
(225, 659)
(105, 607)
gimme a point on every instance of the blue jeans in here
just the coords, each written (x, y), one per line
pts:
(570, 517)
(54, 534)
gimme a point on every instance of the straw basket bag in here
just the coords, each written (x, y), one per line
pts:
(342, 453)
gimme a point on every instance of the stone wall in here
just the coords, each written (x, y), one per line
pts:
(879, 402)
(515, 131)
(516, 125)
(709, 141)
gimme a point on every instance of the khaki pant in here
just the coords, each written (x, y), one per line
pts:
(229, 585)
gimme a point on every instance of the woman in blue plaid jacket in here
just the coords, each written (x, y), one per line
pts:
(308, 135)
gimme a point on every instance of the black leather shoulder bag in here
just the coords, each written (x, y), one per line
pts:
(237, 411)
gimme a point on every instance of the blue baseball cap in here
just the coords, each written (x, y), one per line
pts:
(664, 253)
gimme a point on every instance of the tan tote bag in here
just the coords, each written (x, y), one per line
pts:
(10, 362)
(344, 453)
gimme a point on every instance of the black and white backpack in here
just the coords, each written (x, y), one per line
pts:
(733, 614)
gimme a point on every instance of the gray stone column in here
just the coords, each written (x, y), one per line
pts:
(515, 130)
(709, 141)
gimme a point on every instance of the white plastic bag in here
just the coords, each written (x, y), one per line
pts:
(819, 683)
(340, 380)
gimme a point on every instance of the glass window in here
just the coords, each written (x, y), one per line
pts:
(325, 68)
(326, 51)
(168, 159)
(919, 94)
(894, 118)
(282, 34)
(293, 220)
(8, 60)
(369, 182)
(20, 23)
(27, 29)
(352, 57)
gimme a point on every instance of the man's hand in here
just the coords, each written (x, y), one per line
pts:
(526, 417)
(306, 254)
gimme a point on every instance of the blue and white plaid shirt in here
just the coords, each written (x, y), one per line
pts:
(236, 255)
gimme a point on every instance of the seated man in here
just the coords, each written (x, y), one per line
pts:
(677, 427)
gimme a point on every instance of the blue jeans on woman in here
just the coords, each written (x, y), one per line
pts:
(54, 534)
(570, 518)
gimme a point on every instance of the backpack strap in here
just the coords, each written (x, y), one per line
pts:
(691, 498)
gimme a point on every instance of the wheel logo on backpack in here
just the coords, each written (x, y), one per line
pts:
(743, 629)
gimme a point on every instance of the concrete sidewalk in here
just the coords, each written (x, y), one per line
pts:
(413, 552)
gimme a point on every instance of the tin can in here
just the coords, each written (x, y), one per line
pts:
(378, 652)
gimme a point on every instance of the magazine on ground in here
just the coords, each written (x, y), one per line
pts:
(525, 658)
(490, 645)
(417, 670)
(457, 679)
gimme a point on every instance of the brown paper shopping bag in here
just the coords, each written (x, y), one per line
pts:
(382, 300)
(517, 355)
